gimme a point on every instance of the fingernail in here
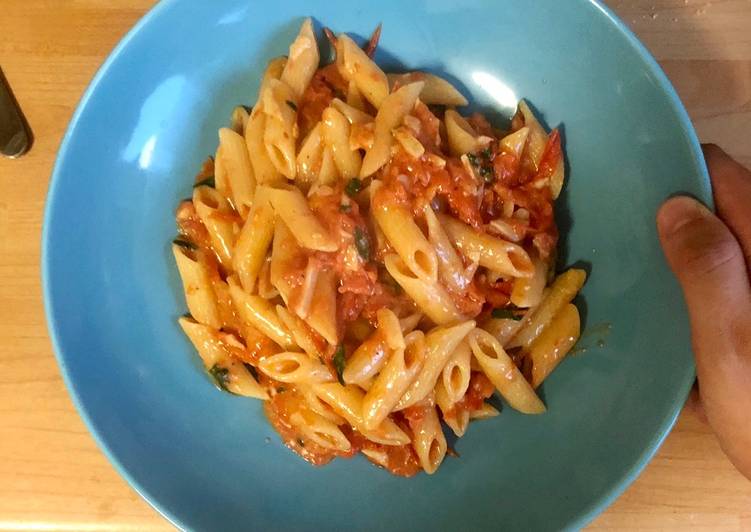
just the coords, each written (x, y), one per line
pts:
(679, 211)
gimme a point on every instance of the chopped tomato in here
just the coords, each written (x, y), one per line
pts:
(480, 388)
(327, 83)
(400, 460)
(551, 156)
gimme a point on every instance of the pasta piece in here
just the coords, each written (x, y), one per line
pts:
(552, 345)
(367, 360)
(301, 332)
(405, 236)
(221, 180)
(229, 372)
(409, 323)
(537, 139)
(462, 137)
(440, 344)
(261, 314)
(437, 91)
(486, 411)
(389, 324)
(265, 289)
(457, 371)
(503, 329)
(290, 205)
(254, 241)
(432, 298)
(295, 368)
(220, 220)
(450, 266)
(504, 257)
(263, 169)
(527, 291)
(236, 163)
(347, 402)
(357, 67)
(286, 259)
(319, 407)
(503, 373)
(515, 143)
(274, 70)
(310, 157)
(429, 442)
(409, 143)
(354, 97)
(457, 419)
(280, 132)
(199, 294)
(328, 174)
(336, 134)
(239, 118)
(395, 106)
(303, 60)
(322, 316)
(564, 289)
(320, 430)
(401, 369)
(353, 114)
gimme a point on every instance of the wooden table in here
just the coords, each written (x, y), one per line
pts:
(53, 477)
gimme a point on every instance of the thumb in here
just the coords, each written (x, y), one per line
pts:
(706, 258)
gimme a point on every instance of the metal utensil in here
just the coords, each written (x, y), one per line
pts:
(15, 135)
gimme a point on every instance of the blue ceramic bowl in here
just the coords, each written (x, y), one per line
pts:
(210, 461)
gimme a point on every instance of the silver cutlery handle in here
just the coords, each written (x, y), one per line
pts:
(15, 135)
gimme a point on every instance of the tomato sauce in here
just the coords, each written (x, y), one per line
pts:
(480, 388)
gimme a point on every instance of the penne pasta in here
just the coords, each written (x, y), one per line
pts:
(504, 257)
(280, 127)
(253, 242)
(359, 69)
(220, 221)
(199, 294)
(429, 441)
(432, 298)
(295, 368)
(440, 344)
(401, 369)
(437, 91)
(228, 372)
(336, 135)
(236, 163)
(303, 60)
(405, 236)
(553, 344)
(347, 402)
(395, 106)
(259, 313)
(504, 375)
(456, 373)
(462, 138)
(564, 289)
(290, 205)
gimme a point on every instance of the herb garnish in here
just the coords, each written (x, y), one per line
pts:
(505, 314)
(221, 376)
(362, 242)
(353, 187)
(208, 182)
(339, 363)
(185, 244)
(292, 105)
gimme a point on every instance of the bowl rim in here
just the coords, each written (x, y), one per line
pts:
(589, 513)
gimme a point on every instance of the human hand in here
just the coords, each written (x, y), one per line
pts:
(711, 256)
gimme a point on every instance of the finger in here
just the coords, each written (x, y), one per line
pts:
(706, 258)
(711, 269)
(731, 184)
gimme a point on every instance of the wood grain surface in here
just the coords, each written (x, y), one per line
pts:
(52, 475)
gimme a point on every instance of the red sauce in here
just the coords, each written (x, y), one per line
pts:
(190, 226)
(327, 83)
(480, 388)
(400, 460)
(278, 410)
